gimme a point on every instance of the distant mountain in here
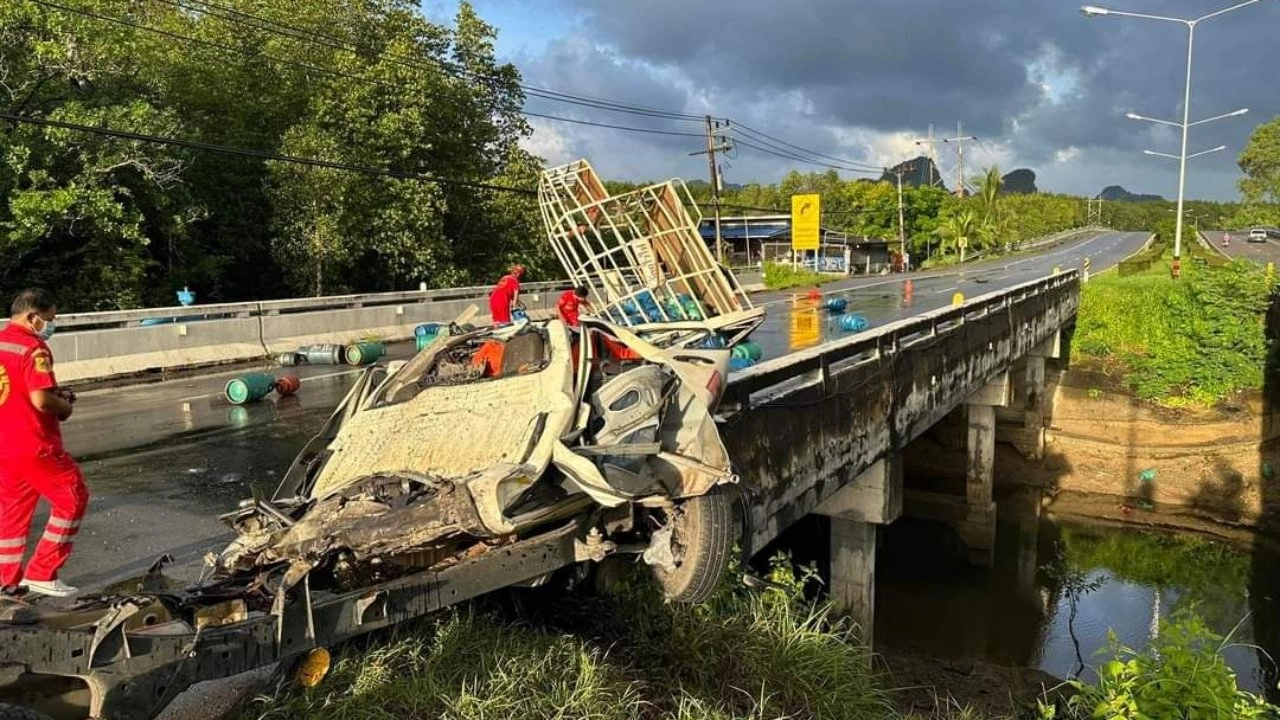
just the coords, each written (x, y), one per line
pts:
(1115, 192)
(1019, 182)
(916, 172)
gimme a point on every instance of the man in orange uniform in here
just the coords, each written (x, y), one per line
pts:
(505, 296)
(33, 463)
(571, 304)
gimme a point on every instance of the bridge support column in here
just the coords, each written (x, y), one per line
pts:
(853, 572)
(1025, 422)
(978, 529)
(873, 498)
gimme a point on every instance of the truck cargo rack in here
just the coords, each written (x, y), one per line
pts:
(641, 253)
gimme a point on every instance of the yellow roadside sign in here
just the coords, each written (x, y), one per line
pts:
(806, 221)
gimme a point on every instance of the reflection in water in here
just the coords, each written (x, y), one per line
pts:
(1057, 590)
(806, 330)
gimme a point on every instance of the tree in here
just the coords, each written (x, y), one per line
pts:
(1260, 163)
(957, 231)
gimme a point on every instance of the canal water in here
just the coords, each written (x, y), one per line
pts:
(1059, 592)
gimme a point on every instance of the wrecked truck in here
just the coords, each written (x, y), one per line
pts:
(495, 458)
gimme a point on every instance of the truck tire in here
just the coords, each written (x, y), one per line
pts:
(14, 712)
(702, 540)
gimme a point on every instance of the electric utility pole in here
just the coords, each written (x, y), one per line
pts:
(715, 144)
(959, 141)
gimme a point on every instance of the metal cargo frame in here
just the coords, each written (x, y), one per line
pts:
(641, 253)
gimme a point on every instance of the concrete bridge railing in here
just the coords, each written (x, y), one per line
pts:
(99, 345)
(823, 430)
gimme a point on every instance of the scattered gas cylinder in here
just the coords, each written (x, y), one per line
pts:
(1147, 475)
(853, 323)
(364, 353)
(836, 304)
(290, 359)
(740, 363)
(323, 354)
(426, 333)
(287, 385)
(748, 351)
(248, 388)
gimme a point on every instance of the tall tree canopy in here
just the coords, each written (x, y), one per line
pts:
(114, 223)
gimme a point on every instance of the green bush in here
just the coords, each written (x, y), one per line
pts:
(747, 654)
(1180, 676)
(778, 276)
(1196, 340)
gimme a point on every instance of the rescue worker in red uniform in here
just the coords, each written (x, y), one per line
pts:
(505, 296)
(33, 462)
(571, 304)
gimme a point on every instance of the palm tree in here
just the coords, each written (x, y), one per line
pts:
(994, 223)
(957, 231)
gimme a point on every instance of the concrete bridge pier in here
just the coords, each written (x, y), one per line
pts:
(856, 511)
(978, 527)
(1022, 424)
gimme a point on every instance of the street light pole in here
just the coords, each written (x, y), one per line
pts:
(1182, 162)
(1094, 11)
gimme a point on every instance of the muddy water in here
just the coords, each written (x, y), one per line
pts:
(1058, 590)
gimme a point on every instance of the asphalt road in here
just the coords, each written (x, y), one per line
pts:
(1240, 248)
(164, 459)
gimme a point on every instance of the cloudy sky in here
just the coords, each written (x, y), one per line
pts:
(1040, 84)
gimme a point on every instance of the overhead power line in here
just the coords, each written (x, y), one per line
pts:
(315, 68)
(797, 148)
(436, 65)
(260, 154)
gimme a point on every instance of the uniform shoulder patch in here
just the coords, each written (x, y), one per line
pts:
(42, 361)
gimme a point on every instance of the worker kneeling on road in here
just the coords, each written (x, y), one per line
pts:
(33, 462)
(506, 296)
(571, 304)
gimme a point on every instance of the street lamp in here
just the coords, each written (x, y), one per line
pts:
(1094, 11)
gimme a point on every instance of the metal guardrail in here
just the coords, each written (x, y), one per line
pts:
(126, 318)
(819, 365)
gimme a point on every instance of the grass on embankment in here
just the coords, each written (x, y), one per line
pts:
(778, 276)
(747, 654)
(765, 654)
(1193, 341)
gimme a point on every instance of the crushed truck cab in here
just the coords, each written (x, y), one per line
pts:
(493, 458)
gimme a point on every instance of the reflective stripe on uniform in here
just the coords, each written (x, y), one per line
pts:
(11, 558)
(17, 542)
(59, 522)
(56, 535)
(14, 348)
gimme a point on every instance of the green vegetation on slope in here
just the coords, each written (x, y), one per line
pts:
(766, 654)
(746, 654)
(1192, 341)
(779, 276)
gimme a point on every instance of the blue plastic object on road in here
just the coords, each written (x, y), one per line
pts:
(518, 315)
(836, 304)
(740, 363)
(854, 323)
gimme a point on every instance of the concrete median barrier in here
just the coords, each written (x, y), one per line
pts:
(99, 346)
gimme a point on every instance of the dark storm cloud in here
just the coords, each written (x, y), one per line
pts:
(899, 65)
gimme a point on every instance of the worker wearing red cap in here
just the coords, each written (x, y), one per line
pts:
(571, 304)
(33, 462)
(505, 296)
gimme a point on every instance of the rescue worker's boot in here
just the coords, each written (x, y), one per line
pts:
(52, 588)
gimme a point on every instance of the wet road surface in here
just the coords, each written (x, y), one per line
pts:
(1240, 248)
(164, 459)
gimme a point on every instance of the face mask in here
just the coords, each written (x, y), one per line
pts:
(46, 332)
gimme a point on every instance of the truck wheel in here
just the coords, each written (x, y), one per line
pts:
(701, 541)
(14, 712)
